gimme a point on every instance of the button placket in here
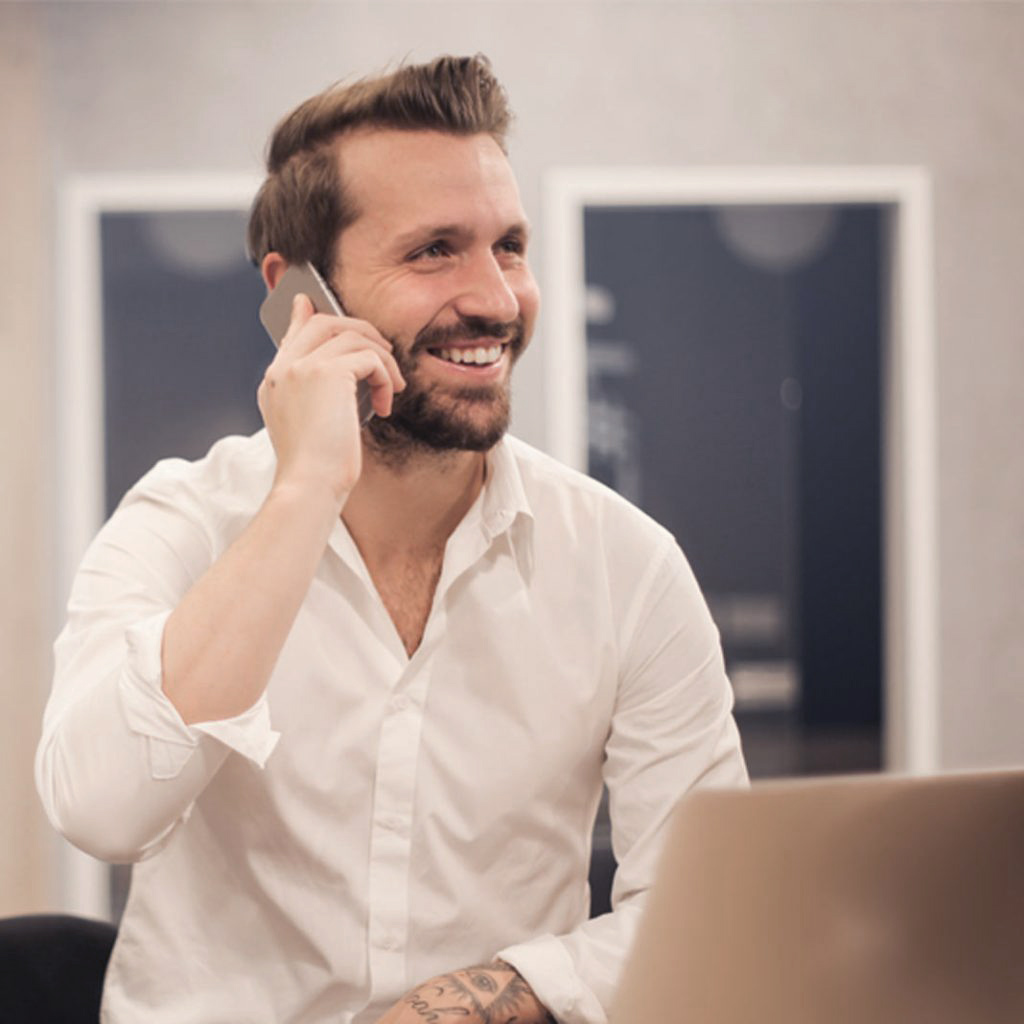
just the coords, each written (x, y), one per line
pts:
(391, 832)
(400, 702)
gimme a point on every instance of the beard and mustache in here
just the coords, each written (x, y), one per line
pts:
(432, 418)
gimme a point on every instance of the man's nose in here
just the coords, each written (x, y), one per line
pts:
(486, 292)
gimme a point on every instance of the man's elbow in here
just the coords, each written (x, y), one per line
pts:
(93, 818)
(106, 839)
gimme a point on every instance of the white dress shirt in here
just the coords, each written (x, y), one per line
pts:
(376, 819)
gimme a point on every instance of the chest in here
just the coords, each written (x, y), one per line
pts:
(498, 674)
(406, 585)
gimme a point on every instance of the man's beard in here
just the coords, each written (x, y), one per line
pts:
(438, 419)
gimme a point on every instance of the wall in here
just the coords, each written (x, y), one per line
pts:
(159, 87)
(26, 412)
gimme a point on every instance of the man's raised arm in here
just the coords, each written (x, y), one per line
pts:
(169, 649)
(256, 589)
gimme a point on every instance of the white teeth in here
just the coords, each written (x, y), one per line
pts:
(480, 356)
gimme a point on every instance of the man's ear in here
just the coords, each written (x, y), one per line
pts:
(272, 267)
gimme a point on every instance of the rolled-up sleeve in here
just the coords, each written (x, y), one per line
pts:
(672, 731)
(117, 768)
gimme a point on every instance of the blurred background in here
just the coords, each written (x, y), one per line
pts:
(708, 408)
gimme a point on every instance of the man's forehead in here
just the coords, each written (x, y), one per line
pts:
(371, 144)
(397, 172)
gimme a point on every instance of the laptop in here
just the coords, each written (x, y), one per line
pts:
(858, 900)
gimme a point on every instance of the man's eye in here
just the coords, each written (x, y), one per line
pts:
(516, 246)
(434, 251)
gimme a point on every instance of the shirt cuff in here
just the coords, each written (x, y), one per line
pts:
(548, 969)
(151, 714)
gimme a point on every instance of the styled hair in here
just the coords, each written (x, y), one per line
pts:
(302, 206)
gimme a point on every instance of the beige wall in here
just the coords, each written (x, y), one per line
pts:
(25, 435)
(157, 87)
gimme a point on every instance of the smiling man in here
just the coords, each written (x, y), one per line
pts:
(347, 694)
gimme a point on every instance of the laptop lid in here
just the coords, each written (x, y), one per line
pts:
(875, 900)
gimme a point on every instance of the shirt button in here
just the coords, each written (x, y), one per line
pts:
(389, 942)
(392, 822)
(400, 702)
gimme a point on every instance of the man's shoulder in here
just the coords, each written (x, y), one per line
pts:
(558, 492)
(234, 473)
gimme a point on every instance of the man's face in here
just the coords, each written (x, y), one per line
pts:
(436, 261)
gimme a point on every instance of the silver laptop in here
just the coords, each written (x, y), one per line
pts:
(866, 900)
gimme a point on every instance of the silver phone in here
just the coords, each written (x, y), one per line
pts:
(276, 314)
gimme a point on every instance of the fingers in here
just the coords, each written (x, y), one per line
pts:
(341, 357)
(346, 347)
(302, 312)
(383, 378)
(364, 362)
(308, 329)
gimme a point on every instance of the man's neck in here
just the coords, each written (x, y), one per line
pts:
(405, 508)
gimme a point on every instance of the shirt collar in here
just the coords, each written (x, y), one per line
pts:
(501, 508)
(505, 507)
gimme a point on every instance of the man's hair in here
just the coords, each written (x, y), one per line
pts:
(302, 207)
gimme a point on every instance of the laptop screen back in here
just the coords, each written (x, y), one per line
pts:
(872, 900)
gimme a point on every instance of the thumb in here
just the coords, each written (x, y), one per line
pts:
(302, 310)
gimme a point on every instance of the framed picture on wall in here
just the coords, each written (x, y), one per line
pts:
(747, 355)
(160, 353)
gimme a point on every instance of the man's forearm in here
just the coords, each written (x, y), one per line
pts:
(493, 993)
(222, 642)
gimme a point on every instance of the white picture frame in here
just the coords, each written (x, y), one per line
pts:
(910, 519)
(83, 882)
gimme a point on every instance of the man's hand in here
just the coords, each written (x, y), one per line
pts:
(308, 396)
(487, 994)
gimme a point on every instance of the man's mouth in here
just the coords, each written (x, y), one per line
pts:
(481, 355)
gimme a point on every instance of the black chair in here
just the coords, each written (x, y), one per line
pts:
(602, 872)
(52, 967)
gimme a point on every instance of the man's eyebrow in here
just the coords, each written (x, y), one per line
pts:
(429, 232)
(455, 232)
(520, 229)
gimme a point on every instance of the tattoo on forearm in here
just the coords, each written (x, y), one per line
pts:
(487, 993)
(435, 1014)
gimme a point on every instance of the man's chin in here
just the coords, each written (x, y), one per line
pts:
(476, 425)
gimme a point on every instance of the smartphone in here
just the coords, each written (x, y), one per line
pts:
(276, 315)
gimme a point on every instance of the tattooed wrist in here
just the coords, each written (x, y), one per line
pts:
(543, 1014)
(493, 993)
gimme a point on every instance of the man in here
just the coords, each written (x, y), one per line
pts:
(347, 695)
